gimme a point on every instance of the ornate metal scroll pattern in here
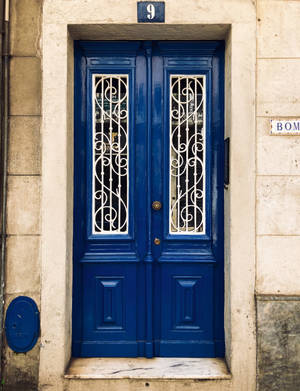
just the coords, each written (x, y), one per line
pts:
(110, 154)
(187, 154)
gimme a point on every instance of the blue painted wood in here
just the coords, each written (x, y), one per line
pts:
(109, 304)
(132, 297)
(151, 11)
(201, 250)
(110, 292)
(22, 324)
(79, 192)
(186, 285)
(149, 257)
(218, 196)
(97, 257)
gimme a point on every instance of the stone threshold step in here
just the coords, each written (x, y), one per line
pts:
(143, 368)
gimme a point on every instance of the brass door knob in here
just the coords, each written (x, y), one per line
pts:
(157, 241)
(156, 205)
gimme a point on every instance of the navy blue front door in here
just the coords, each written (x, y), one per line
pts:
(148, 199)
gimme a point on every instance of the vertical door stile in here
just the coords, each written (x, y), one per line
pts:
(149, 258)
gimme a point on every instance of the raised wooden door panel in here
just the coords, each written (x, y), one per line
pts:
(186, 311)
(110, 310)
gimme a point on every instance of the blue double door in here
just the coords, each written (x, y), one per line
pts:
(148, 199)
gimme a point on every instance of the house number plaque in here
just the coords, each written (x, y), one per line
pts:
(151, 11)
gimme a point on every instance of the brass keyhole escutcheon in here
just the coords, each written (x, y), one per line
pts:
(157, 241)
(156, 205)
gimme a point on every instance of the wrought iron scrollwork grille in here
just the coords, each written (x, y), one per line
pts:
(187, 154)
(110, 154)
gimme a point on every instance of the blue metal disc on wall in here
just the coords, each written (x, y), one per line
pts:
(22, 324)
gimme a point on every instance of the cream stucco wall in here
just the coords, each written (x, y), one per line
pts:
(262, 237)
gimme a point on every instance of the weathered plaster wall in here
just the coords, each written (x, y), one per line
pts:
(278, 197)
(20, 371)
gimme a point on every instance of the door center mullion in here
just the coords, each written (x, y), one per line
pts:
(149, 258)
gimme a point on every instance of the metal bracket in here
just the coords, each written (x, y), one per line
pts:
(226, 161)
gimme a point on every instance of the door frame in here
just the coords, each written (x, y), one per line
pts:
(57, 178)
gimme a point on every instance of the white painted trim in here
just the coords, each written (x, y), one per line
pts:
(204, 94)
(127, 206)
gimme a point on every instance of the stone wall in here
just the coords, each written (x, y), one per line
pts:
(278, 341)
(24, 170)
(277, 185)
(278, 197)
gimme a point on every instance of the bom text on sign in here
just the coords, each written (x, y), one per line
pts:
(285, 127)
